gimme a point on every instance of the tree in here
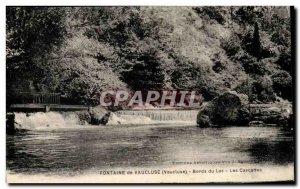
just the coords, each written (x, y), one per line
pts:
(146, 73)
(245, 14)
(256, 44)
(31, 34)
(32, 31)
(214, 13)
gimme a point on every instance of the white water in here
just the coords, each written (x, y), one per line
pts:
(56, 120)
(41, 120)
(128, 120)
(163, 115)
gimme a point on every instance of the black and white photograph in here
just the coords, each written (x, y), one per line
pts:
(150, 94)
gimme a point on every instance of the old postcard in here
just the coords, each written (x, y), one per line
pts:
(147, 94)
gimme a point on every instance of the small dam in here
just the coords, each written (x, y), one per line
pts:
(162, 115)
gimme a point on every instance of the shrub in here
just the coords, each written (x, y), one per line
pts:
(219, 62)
(232, 45)
(255, 68)
(263, 90)
(187, 75)
(258, 90)
(212, 12)
(285, 61)
(282, 84)
(146, 73)
(245, 15)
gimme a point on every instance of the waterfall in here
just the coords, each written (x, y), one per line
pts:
(52, 120)
(163, 115)
(41, 120)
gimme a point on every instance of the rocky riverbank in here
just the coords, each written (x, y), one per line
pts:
(232, 108)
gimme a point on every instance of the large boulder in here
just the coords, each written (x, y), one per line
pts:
(98, 115)
(230, 108)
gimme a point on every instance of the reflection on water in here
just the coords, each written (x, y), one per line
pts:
(76, 151)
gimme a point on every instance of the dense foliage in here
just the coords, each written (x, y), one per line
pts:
(81, 51)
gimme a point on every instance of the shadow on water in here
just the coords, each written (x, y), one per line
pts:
(281, 152)
(17, 158)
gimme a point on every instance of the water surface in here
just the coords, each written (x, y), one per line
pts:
(79, 150)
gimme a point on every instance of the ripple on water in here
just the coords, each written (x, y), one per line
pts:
(76, 151)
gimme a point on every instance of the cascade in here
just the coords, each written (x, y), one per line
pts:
(163, 115)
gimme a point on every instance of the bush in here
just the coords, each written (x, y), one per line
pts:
(258, 90)
(232, 45)
(208, 92)
(245, 15)
(255, 68)
(211, 12)
(219, 63)
(282, 84)
(186, 75)
(285, 61)
(146, 73)
(262, 90)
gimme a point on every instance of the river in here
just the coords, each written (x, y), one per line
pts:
(88, 150)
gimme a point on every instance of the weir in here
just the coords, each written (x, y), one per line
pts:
(163, 115)
(42, 120)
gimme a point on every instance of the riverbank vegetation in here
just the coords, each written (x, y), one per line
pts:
(81, 51)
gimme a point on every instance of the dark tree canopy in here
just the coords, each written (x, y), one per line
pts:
(81, 51)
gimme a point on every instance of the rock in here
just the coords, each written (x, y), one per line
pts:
(256, 123)
(203, 121)
(244, 115)
(105, 119)
(230, 108)
(84, 117)
(274, 109)
(98, 115)
(279, 114)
